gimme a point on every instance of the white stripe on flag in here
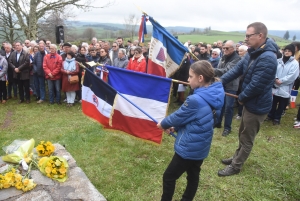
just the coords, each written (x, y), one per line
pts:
(154, 108)
(103, 107)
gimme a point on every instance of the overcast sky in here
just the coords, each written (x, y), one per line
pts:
(225, 15)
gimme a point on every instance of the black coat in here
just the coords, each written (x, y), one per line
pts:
(23, 65)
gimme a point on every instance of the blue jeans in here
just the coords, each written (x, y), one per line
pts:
(12, 86)
(31, 84)
(39, 84)
(227, 110)
(54, 85)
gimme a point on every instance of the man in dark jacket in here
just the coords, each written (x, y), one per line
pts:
(229, 60)
(258, 69)
(19, 63)
(39, 74)
(203, 53)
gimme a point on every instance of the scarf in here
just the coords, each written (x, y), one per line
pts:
(70, 64)
(285, 59)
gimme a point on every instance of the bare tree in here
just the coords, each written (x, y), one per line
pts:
(8, 23)
(130, 24)
(28, 12)
(89, 33)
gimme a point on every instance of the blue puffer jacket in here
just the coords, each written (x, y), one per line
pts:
(256, 94)
(194, 120)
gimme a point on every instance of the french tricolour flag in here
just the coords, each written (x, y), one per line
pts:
(142, 30)
(148, 92)
(166, 52)
(109, 104)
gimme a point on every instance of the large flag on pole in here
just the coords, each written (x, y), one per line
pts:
(142, 30)
(117, 106)
(166, 52)
(151, 93)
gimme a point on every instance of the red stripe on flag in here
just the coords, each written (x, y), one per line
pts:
(155, 69)
(140, 128)
(91, 110)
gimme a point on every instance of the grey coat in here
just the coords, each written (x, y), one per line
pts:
(121, 63)
(3, 68)
(226, 64)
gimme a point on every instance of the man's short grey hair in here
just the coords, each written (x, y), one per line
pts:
(122, 50)
(231, 43)
(243, 47)
(84, 44)
(76, 48)
(9, 45)
(54, 46)
(94, 38)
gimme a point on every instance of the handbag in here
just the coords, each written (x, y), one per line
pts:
(73, 79)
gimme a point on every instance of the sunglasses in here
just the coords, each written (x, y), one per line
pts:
(226, 48)
(215, 54)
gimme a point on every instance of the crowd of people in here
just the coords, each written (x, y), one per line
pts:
(256, 70)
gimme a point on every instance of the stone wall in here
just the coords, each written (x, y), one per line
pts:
(77, 187)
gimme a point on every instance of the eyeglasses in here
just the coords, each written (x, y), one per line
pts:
(102, 51)
(226, 48)
(248, 36)
(214, 54)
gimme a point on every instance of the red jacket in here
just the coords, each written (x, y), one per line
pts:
(138, 65)
(52, 64)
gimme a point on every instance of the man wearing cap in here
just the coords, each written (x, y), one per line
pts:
(287, 72)
(66, 49)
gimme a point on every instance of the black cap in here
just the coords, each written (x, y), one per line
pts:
(67, 44)
(129, 41)
(291, 47)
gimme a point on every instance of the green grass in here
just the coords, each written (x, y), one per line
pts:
(124, 168)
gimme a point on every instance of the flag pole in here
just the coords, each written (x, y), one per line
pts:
(171, 133)
(186, 83)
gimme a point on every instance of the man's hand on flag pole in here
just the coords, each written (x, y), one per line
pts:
(168, 131)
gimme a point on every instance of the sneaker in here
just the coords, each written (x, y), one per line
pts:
(226, 132)
(238, 117)
(297, 125)
(296, 122)
(40, 101)
(228, 171)
(65, 100)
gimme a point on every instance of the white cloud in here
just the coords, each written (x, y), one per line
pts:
(226, 15)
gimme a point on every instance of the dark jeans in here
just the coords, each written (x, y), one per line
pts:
(3, 92)
(39, 83)
(175, 169)
(12, 86)
(54, 85)
(249, 127)
(276, 111)
(32, 86)
(296, 84)
(23, 86)
(227, 110)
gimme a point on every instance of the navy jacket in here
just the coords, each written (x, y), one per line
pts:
(38, 64)
(194, 120)
(256, 94)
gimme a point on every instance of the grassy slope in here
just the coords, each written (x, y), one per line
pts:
(125, 168)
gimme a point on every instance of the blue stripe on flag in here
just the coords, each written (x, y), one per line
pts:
(139, 84)
(174, 47)
(100, 88)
